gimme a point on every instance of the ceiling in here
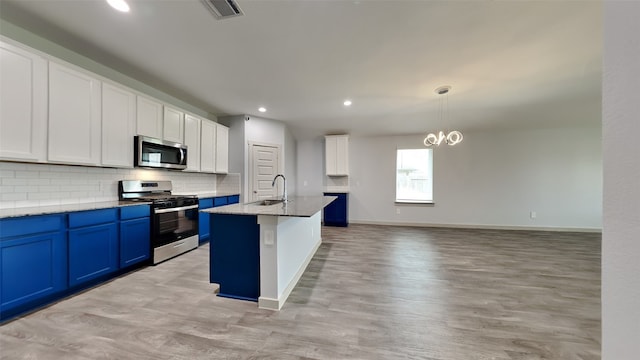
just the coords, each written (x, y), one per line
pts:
(511, 64)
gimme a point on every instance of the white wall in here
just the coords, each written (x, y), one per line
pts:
(290, 161)
(491, 179)
(621, 149)
(237, 140)
(259, 130)
(310, 166)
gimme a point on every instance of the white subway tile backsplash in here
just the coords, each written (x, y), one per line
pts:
(13, 196)
(7, 204)
(26, 174)
(12, 181)
(38, 181)
(49, 202)
(38, 196)
(40, 184)
(13, 166)
(25, 188)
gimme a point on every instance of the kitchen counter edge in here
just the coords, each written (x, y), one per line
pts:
(207, 194)
(297, 206)
(66, 208)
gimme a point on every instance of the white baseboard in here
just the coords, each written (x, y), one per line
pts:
(276, 304)
(479, 226)
(268, 303)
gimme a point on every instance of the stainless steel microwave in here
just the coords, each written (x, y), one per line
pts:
(156, 153)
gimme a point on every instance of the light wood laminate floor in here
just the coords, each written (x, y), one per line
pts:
(370, 292)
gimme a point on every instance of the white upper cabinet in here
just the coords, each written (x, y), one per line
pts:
(222, 149)
(23, 105)
(192, 140)
(149, 117)
(208, 147)
(74, 116)
(337, 155)
(118, 125)
(173, 125)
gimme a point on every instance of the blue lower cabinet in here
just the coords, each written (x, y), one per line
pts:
(219, 201)
(233, 199)
(203, 220)
(33, 263)
(93, 250)
(135, 235)
(337, 213)
(135, 241)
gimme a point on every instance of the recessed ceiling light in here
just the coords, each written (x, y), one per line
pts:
(119, 5)
(347, 103)
(262, 109)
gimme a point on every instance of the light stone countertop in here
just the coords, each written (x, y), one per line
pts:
(337, 189)
(57, 209)
(206, 194)
(297, 206)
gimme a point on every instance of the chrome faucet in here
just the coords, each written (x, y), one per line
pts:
(284, 195)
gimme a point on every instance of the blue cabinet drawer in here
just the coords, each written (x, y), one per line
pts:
(206, 203)
(31, 225)
(219, 201)
(203, 220)
(233, 199)
(92, 217)
(134, 212)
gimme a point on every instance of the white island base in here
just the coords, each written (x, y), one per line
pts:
(287, 245)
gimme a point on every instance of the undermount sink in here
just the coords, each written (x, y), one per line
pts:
(267, 202)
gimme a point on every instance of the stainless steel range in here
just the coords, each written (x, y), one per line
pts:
(174, 221)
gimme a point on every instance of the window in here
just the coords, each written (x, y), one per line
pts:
(414, 176)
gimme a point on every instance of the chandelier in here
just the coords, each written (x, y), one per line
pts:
(448, 137)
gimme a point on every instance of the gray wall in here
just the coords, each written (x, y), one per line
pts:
(259, 130)
(491, 179)
(621, 149)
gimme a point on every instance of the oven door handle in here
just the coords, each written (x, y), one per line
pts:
(162, 211)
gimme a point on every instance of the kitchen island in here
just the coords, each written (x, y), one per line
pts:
(259, 251)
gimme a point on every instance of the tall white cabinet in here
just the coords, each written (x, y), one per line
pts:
(208, 147)
(222, 149)
(118, 125)
(23, 105)
(192, 127)
(337, 155)
(74, 116)
(214, 148)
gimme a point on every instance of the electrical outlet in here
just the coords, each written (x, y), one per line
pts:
(305, 183)
(397, 211)
(268, 237)
(533, 214)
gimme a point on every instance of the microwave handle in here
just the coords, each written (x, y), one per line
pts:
(182, 157)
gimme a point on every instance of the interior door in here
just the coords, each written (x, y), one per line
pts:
(264, 168)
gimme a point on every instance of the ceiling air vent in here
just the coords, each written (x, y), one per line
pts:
(223, 9)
